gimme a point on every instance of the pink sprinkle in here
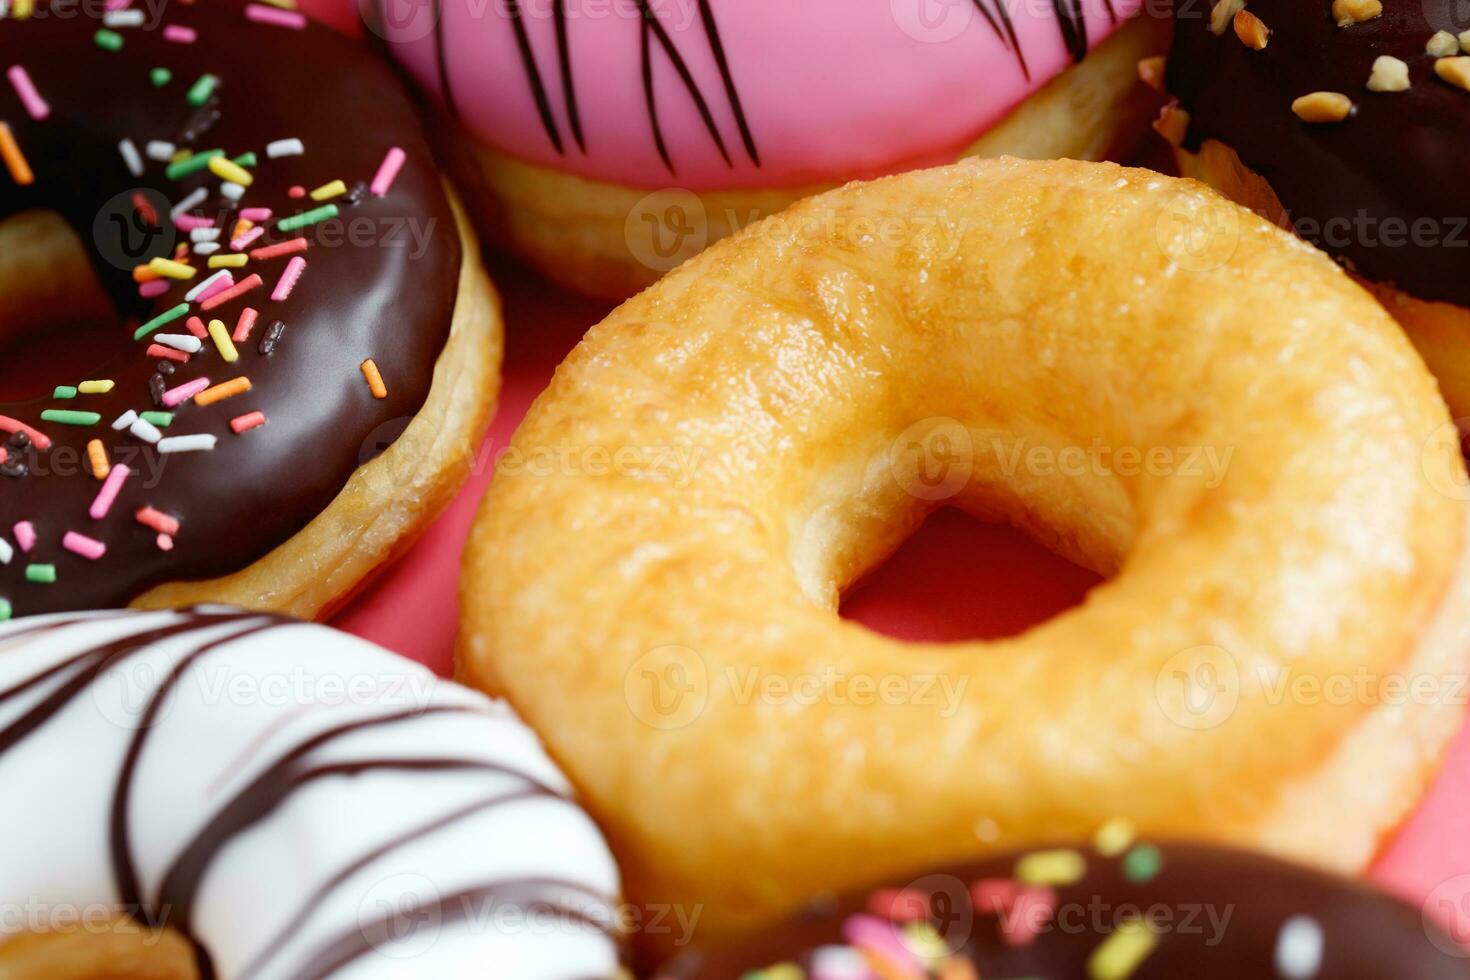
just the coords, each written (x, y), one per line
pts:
(165, 542)
(245, 324)
(196, 327)
(158, 521)
(296, 191)
(179, 394)
(82, 545)
(388, 171)
(153, 288)
(899, 904)
(26, 89)
(992, 896)
(239, 289)
(220, 285)
(1023, 921)
(243, 242)
(112, 5)
(284, 248)
(38, 439)
(167, 353)
(289, 278)
(191, 222)
(277, 18)
(110, 489)
(880, 937)
(25, 535)
(246, 422)
(256, 214)
(179, 34)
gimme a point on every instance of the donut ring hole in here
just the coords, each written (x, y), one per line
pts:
(57, 323)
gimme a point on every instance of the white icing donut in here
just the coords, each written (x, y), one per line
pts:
(296, 802)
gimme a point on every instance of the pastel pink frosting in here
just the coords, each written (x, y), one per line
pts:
(829, 89)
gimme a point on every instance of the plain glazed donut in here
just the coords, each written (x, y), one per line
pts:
(216, 793)
(334, 410)
(611, 141)
(777, 415)
(1124, 909)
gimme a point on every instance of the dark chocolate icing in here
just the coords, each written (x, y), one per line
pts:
(367, 292)
(1219, 915)
(1356, 188)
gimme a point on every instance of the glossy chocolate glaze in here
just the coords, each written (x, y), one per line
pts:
(1401, 158)
(1225, 911)
(370, 289)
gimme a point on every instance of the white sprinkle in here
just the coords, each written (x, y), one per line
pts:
(186, 342)
(130, 156)
(206, 248)
(6, 552)
(839, 963)
(1299, 948)
(194, 293)
(232, 190)
(204, 235)
(123, 18)
(285, 148)
(160, 150)
(124, 420)
(145, 430)
(4, 9)
(189, 203)
(187, 444)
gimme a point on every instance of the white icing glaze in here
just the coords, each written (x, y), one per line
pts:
(269, 902)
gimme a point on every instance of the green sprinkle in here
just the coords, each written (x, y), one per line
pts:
(43, 574)
(1143, 863)
(108, 40)
(246, 160)
(64, 391)
(168, 316)
(67, 416)
(307, 218)
(160, 77)
(191, 165)
(160, 419)
(4, 610)
(203, 90)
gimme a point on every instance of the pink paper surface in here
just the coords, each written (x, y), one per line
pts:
(955, 579)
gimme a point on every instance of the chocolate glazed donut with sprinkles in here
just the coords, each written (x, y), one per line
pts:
(298, 348)
(1122, 909)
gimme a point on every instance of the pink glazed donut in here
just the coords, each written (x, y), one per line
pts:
(612, 139)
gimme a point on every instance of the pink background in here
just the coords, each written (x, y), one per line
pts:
(927, 591)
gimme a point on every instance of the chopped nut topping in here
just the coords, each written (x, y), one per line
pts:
(1172, 124)
(1223, 14)
(1350, 12)
(1323, 107)
(1389, 75)
(1443, 45)
(1456, 71)
(1151, 72)
(1251, 30)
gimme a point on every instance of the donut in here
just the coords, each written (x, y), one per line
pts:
(1047, 344)
(249, 346)
(217, 793)
(607, 142)
(1378, 189)
(1134, 910)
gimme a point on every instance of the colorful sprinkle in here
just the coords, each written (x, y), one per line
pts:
(1058, 867)
(5, 611)
(145, 430)
(1143, 863)
(178, 34)
(222, 342)
(157, 520)
(165, 542)
(124, 420)
(307, 218)
(1119, 955)
(277, 18)
(231, 171)
(67, 416)
(1299, 948)
(108, 40)
(172, 270)
(284, 148)
(161, 419)
(98, 387)
(111, 487)
(6, 552)
(159, 150)
(239, 289)
(153, 288)
(255, 214)
(38, 438)
(187, 444)
(1023, 921)
(26, 89)
(41, 574)
(245, 325)
(244, 423)
(64, 392)
(1114, 837)
(123, 18)
(991, 896)
(25, 535)
(131, 157)
(162, 76)
(839, 963)
(388, 171)
(242, 241)
(374, 379)
(329, 190)
(168, 316)
(166, 353)
(283, 248)
(289, 277)
(874, 935)
(97, 456)
(223, 390)
(179, 394)
(203, 90)
(227, 261)
(216, 283)
(80, 544)
(15, 160)
(193, 164)
(186, 343)
(894, 904)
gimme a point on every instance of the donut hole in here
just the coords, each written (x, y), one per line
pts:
(57, 323)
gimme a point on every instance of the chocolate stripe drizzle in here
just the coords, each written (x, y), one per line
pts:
(568, 86)
(441, 58)
(533, 75)
(651, 24)
(1073, 27)
(717, 46)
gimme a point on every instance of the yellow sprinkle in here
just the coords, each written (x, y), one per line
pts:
(1114, 837)
(1122, 952)
(170, 269)
(95, 387)
(374, 378)
(227, 261)
(783, 971)
(180, 156)
(22, 8)
(283, 4)
(98, 458)
(222, 340)
(226, 169)
(241, 227)
(925, 942)
(328, 191)
(1059, 867)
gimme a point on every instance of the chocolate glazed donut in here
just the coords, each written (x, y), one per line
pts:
(152, 134)
(1140, 911)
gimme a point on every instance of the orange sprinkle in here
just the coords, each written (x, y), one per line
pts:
(142, 273)
(20, 170)
(98, 457)
(223, 390)
(374, 378)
